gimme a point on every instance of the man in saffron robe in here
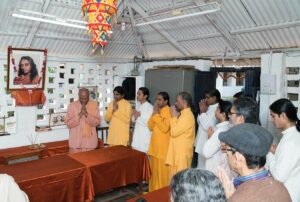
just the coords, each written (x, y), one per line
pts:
(82, 118)
(182, 139)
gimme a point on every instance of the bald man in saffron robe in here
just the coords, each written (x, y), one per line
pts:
(182, 128)
(82, 118)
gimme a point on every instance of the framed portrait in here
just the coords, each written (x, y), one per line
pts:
(57, 119)
(26, 68)
(94, 95)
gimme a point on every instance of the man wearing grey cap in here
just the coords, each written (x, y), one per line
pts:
(246, 146)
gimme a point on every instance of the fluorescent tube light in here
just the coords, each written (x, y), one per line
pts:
(183, 16)
(37, 13)
(49, 21)
(52, 16)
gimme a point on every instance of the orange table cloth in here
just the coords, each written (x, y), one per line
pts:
(59, 178)
(61, 147)
(161, 195)
(51, 149)
(114, 167)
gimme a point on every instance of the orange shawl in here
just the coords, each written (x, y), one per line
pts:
(91, 107)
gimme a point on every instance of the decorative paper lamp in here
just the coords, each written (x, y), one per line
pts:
(99, 14)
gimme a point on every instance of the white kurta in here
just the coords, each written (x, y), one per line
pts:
(142, 134)
(205, 120)
(10, 191)
(212, 150)
(284, 165)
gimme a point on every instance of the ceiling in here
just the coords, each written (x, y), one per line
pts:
(243, 28)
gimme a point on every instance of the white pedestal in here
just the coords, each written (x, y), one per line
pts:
(26, 120)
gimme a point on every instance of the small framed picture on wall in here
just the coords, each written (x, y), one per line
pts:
(57, 119)
(26, 68)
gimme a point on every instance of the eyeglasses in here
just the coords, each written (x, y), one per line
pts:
(225, 150)
(231, 113)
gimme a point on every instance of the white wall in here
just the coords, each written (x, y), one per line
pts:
(203, 65)
(271, 64)
(25, 117)
(293, 60)
(275, 64)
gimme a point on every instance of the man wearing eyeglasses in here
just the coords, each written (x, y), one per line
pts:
(246, 146)
(244, 110)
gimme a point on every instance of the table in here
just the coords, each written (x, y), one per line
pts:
(161, 195)
(51, 149)
(61, 147)
(58, 178)
(17, 153)
(114, 167)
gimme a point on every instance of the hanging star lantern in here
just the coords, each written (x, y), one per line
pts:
(99, 14)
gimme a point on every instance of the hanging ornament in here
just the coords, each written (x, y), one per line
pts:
(99, 14)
